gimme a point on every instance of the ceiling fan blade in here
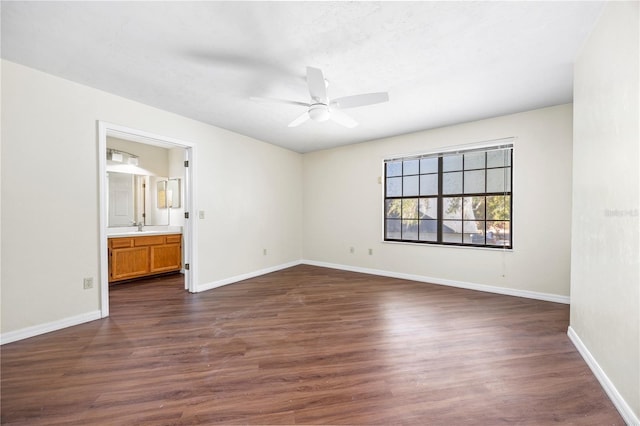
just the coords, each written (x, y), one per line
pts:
(298, 121)
(343, 119)
(280, 101)
(360, 100)
(317, 86)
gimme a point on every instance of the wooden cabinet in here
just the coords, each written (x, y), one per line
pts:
(133, 257)
(168, 256)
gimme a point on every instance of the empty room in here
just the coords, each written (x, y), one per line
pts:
(320, 213)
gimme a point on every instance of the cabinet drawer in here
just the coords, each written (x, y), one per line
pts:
(172, 239)
(120, 242)
(151, 240)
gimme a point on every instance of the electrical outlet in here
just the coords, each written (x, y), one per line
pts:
(201, 214)
(87, 283)
(370, 251)
(351, 250)
(264, 251)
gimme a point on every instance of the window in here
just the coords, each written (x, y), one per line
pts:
(453, 198)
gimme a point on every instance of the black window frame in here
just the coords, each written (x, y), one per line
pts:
(484, 239)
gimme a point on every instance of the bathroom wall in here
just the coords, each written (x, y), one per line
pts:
(153, 160)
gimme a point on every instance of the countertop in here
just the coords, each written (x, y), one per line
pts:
(133, 232)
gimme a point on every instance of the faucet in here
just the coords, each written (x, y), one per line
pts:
(139, 225)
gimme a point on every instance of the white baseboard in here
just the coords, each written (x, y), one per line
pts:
(48, 327)
(461, 284)
(242, 277)
(618, 401)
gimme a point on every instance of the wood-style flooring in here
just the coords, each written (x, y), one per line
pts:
(306, 345)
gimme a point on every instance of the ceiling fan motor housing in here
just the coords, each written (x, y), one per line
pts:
(319, 112)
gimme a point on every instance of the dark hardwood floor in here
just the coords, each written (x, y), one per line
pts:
(306, 345)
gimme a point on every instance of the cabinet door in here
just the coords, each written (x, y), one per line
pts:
(166, 258)
(129, 263)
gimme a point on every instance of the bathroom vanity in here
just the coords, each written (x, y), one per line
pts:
(141, 254)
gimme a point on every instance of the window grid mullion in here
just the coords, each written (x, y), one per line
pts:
(440, 201)
(418, 206)
(401, 201)
(486, 187)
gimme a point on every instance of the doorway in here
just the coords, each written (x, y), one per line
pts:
(189, 233)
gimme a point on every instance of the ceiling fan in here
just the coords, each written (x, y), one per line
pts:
(321, 108)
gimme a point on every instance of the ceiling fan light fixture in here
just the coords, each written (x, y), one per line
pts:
(319, 112)
(322, 108)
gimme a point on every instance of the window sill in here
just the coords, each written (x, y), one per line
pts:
(449, 246)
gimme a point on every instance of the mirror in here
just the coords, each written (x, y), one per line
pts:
(138, 188)
(122, 199)
(168, 193)
(131, 202)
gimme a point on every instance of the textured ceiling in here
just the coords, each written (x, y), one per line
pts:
(441, 62)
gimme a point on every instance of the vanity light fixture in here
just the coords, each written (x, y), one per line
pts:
(116, 156)
(119, 156)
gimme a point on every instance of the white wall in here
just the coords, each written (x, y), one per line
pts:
(343, 206)
(250, 191)
(605, 269)
(177, 170)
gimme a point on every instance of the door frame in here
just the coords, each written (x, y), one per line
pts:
(189, 231)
